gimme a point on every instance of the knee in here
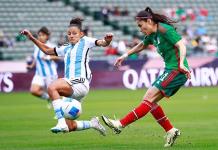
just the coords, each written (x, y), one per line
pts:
(148, 96)
(51, 89)
(35, 91)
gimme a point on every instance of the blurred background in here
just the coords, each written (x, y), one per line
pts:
(24, 120)
(198, 21)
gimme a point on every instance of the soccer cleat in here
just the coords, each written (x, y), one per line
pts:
(98, 126)
(171, 136)
(113, 124)
(60, 128)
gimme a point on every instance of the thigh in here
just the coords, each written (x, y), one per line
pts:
(35, 88)
(170, 82)
(63, 88)
(153, 94)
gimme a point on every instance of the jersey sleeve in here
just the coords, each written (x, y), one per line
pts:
(60, 51)
(91, 42)
(51, 44)
(172, 36)
(146, 41)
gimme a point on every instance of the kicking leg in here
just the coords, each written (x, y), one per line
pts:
(38, 91)
(152, 95)
(74, 125)
(56, 89)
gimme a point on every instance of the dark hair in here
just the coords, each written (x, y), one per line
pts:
(148, 14)
(76, 22)
(44, 30)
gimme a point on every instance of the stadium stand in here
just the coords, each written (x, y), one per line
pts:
(16, 15)
(158, 5)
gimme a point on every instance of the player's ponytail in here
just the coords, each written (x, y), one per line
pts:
(76, 22)
(149, 14)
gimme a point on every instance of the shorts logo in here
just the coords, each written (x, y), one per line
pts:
(164, 76)
(77, 80)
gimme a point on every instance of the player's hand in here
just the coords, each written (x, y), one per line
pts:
(108, 37)
(184, 70)
(29, 67)
(119, 60)
(27, 33)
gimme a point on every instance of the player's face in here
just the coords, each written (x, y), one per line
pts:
(42, 37)
(146, 26)
(74, 34)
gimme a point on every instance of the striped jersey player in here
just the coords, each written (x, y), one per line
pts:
(77, 76)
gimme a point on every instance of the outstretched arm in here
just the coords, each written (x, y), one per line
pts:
(52, 57)
(136, 49)
(106, 41)
(47, 50)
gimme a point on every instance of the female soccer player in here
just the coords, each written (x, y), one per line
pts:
(45, 67)
(75, 84)
(159, 31)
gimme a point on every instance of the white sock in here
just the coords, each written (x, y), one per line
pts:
(58, 112)
(45, 96)
(83, 125)
(119, 124)
(171, 130)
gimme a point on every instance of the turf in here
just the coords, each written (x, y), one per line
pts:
(25, 122)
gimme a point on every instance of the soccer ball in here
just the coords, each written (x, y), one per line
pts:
(71, 108)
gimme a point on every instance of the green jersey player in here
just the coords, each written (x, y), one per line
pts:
(159, 31)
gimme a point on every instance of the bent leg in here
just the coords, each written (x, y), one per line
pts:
(94, 123)
(152, 95)
(38, 87)
(36, 90)
(57, 89)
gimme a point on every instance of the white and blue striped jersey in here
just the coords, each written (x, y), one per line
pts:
(44, 68)
(76, 58)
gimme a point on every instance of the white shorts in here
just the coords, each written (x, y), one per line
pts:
(43, 81)
(80, 90)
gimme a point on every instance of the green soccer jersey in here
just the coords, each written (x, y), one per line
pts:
(164, 40)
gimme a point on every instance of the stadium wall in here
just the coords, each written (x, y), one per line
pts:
(133, 75)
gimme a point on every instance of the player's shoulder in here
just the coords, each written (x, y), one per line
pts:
(50, 44)
(163, 28)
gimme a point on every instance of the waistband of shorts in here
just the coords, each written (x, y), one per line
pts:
(81, 80)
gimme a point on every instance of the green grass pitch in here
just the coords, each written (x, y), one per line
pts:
(25, 122)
